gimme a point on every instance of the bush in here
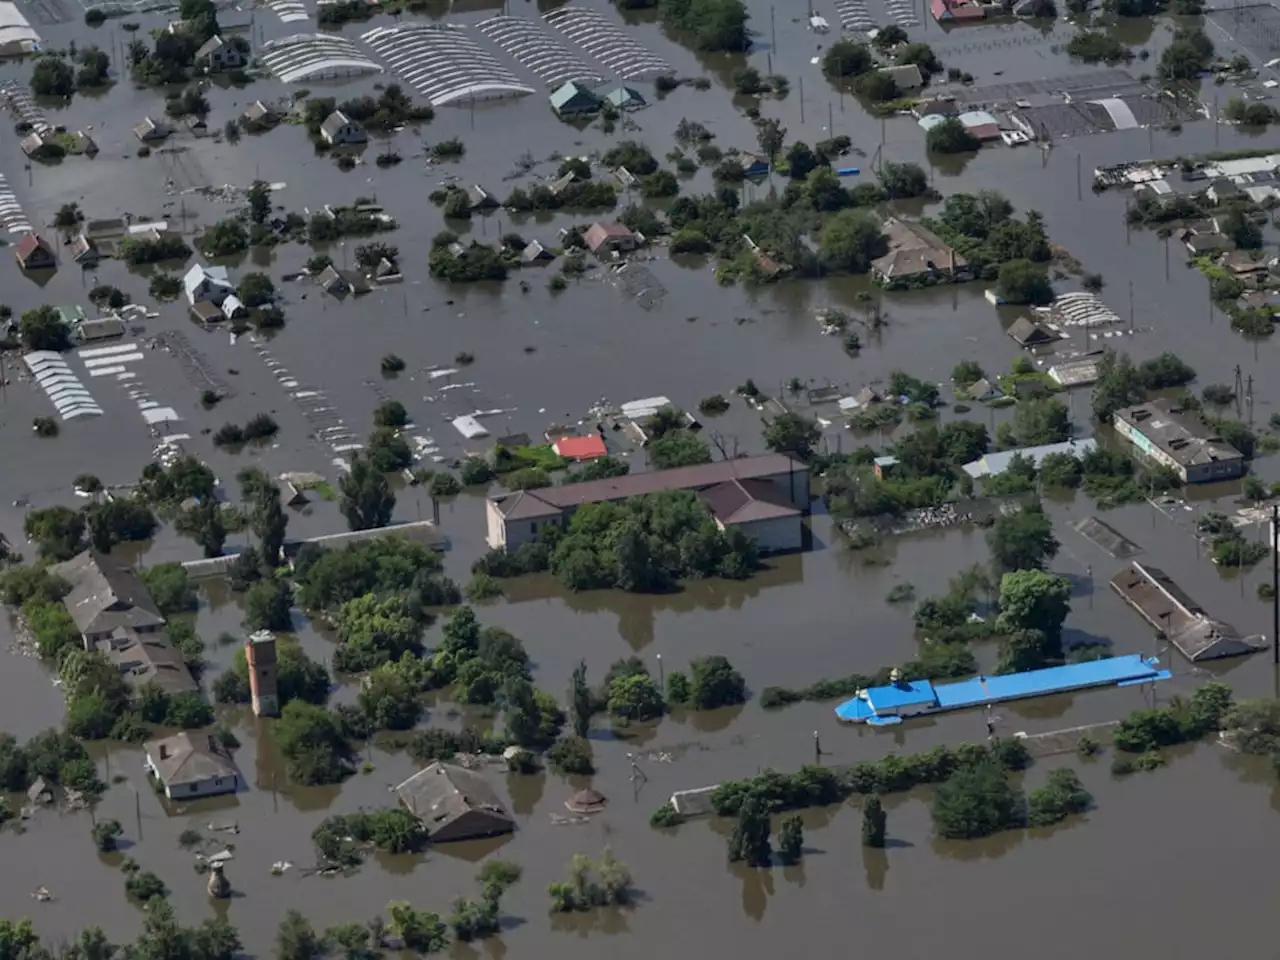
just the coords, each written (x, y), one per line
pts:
(572, 755)
(976, 801)
(105, 833)
(666, 816)
(1062, 796)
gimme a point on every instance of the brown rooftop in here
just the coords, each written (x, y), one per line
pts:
(744, 501)
(549, 501)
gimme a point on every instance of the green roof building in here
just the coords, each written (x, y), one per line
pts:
(571, 100)
(626, 98)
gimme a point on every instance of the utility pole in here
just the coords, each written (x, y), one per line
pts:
(801, 81)
(773, 30)
(1079, 189)
(1275, 585)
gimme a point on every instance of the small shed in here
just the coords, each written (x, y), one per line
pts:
(535, 254)
(571, 100)
(1027, 333)
(34, 253)
(625, 98)
(587, 801)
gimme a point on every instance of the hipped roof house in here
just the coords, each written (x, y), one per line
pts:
(454, 803)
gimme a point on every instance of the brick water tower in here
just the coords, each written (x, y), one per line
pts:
(260, 654)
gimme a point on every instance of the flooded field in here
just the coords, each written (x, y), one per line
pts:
(1136, 873)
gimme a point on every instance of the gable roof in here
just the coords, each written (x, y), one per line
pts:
(570, 94)
(745, 501)
(441, 794)
(189, 758)
(105, 595)
(580, 448)
(211, 45)
(150, 658)
(553, 500)
(526, 505)
(30, 245)
(1029, 333)
(600, 233)
(199, 273)
(334, 123)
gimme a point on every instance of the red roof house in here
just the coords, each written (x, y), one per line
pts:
(34, 254)
(608, 237)
(956, 10)
(580, 448)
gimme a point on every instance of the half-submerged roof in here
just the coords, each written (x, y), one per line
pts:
(189, 758)
(654, 481)
(454, 803)
(105, 595)
(746, 501)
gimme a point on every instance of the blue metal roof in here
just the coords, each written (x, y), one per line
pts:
(1038, 683)
(912, 693)
(1122, 671)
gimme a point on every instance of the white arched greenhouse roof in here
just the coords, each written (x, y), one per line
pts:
(443, 64)
(539, 52)
(306, 56)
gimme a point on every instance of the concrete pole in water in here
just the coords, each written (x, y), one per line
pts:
(1275, 585)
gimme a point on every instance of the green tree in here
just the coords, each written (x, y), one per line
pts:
(791, 839)
(951, 136)
(976, 801)
(44, 329)
(1022, 541)
(259, 198)
(1034, 600)
(873, 822)
(1022, 281)
(105, 833)
(792, 434)
(1186, 57)
(801, 160)
(715, 683)
(421, 930)
(581, 701)
(850, 240)
(53, 77)
(375, 629)
(204, 524)
(312, 744)
(749, 840)
(224, 238)
(1038, 421)
(391, 413)
(1119, 385)
(170, 588)
(712, 26)
(678, 448)
(1062, 796)
(256, 290)
(366, 499)
(58, 532)
(770, 136)
(119, 521)
(267, 606)
(902, 180)
(846, 58)
(635, 697)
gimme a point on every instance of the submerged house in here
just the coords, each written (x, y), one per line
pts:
(189, 765)
(34, 253)
(571, 100)
(454, 803)
(338, 130)
(1166, 607)
(106, 596)
(625, 98)
(916, 255)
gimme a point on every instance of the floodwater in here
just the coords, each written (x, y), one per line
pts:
(1136, 873)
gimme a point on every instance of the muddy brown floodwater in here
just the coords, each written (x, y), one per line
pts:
(1146, 873)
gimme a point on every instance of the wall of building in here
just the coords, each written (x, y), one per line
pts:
(775, 535)
(1217, 470)
(205, 788)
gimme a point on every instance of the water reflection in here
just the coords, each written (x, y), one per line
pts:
(876, 864)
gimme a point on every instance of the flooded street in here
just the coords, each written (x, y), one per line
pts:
(1136, 874)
